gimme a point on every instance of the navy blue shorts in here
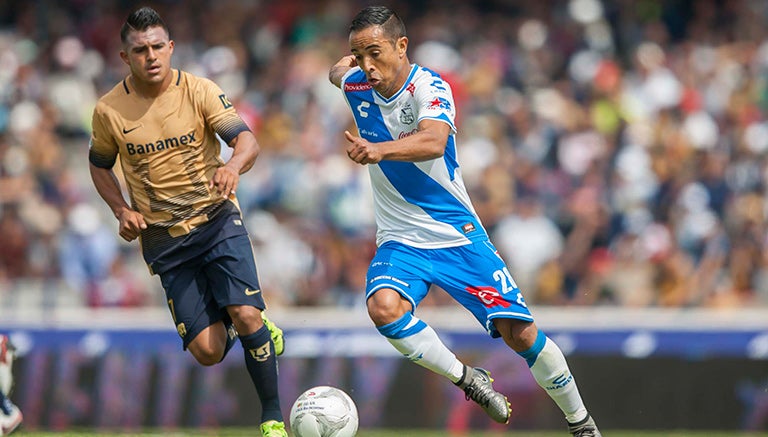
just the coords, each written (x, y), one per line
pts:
(199, 290)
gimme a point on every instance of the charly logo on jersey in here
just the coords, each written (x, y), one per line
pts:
(406, 114)
(489, 296)
(362, 109)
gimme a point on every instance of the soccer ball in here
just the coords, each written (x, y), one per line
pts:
(324, 411)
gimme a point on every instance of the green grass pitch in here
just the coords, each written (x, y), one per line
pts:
(233, 432)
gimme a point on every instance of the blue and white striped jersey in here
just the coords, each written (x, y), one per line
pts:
(421, 204)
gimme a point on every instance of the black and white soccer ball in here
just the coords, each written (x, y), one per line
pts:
(324, 411)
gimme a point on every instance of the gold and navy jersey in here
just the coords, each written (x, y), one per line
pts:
(168, 152)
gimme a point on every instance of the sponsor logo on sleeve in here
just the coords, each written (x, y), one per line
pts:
(225, 101)
(353, 87)
(439, 102)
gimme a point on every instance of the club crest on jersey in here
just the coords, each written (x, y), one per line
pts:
(488, 296)
(439, 102)
(406, 115)
(181, 328)
(356, 87)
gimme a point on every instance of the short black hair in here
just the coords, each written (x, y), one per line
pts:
(382, 16)
(140, 20)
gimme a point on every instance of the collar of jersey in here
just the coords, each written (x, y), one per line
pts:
(414, 67)
(128, 89)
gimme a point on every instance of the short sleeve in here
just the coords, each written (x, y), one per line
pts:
(435, 100)
(220, 112)
(102, 149)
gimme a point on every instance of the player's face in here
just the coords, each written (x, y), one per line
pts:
(383, 60)
(148, 53)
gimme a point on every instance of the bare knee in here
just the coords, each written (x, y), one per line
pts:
(386, 306)
(246, 318)
(519, 335)
(207, 356)
(208, 346)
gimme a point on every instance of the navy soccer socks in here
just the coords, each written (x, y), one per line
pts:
(261, 361)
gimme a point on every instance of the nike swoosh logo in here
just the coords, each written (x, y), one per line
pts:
(131, 129)
(249, 292)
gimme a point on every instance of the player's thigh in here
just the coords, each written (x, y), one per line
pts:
(400, 268)
(476, 277)
(190, 302)
(231, 272)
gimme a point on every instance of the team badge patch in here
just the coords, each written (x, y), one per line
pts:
(406, 115)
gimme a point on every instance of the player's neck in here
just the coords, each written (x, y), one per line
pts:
(151, 90)
(399, 83)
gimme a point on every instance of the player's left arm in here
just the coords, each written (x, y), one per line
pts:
(427, 143)
(245, 150)
(221, 115)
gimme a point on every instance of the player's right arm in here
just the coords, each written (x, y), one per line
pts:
(340, 69)
(102, 154)
(131, 221)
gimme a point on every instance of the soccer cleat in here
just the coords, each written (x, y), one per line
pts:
(9, 422)
(585, 428)
(276, 334)
(273, 428)
(477, 387)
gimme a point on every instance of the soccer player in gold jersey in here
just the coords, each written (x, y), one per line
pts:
(162, 125)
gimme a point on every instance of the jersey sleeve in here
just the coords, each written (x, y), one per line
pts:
(102, 149)
(347, 75)
(220, 113)
(435, 100)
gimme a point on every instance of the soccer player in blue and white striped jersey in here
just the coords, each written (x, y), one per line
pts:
(427, 229)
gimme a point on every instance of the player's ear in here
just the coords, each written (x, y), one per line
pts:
(124, 57)
(402, 45)
(171, 44)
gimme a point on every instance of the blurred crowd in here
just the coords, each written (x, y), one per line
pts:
(616, 150)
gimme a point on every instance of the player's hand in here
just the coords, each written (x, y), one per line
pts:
(347, 61)
(131, 224)
(340, 68)
(225, 181)
(361, 150)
